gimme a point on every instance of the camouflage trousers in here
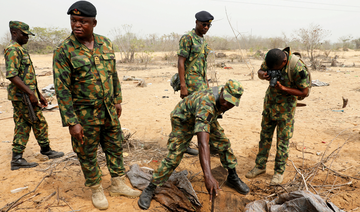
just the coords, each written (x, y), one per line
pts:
(284, 131)
(110, 138)
(195, 83)
(23, 127)
(179, 140)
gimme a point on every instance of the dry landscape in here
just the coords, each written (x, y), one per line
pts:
(323, 129)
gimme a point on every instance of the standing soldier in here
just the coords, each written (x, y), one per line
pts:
(20, 71)
(198, 114)
(279, 109)
(192, 64)
(89, 96)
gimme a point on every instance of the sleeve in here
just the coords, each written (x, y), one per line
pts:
(184, 46)
(116, 83)
(12, 62)
(300, 76)
(62, 82)
(203, 117)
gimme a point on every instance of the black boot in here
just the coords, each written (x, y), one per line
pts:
(191, 151)
(18, 162)
(236, 183)
(51, 153)
(146, 196)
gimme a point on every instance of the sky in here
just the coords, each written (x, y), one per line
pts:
(264, 18)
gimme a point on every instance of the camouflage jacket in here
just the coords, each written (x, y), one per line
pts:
(18, 61)
(279, 104)
(190, 47)
(198, 110)
(86, 82)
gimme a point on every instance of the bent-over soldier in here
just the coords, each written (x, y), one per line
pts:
(197, 114)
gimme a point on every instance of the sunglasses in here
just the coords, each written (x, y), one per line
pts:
(206, 25)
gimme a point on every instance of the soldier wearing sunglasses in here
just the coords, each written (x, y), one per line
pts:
(193, 51)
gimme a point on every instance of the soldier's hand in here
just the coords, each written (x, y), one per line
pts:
(263, 75)
(183, 92)
(43, 101)
(118, 109)
(212, 185)
(77, 132)
(279, 85)
(34, 101)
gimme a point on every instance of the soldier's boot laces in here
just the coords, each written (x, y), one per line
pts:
(277, 179)
(18, 162)
(236, 183)
(119, 188)
(98, 197)
(51, 153)
(191, 151)
(146, 196)
(255, 172)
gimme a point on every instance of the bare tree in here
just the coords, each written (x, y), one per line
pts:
(311, 39)
(126, 42)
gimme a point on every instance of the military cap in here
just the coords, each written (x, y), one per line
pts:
(232, 92)
(204, 16)
(82, 8)
(20, 25)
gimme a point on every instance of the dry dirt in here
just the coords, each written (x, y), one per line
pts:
(146, 111)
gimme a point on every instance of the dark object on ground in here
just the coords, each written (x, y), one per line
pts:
(294, 201)
(345, 101)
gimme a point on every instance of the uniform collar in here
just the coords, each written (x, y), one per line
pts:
(15, 44)
(194, 35)
(77, 44)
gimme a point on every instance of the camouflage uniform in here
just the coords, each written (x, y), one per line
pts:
(195, 113)
(190, 47)
(18, 62)
(279, 111)
(87, 88)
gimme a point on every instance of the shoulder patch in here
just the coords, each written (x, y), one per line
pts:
(302, 74)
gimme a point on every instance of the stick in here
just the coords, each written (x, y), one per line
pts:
(341, 175)
(339, 185)
(300, 174)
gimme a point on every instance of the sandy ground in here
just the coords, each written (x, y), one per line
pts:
(146, 111)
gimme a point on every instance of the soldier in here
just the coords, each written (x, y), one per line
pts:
(20, 71)
(89, 96)
(279, 110)
(198, 114)
(193, 52)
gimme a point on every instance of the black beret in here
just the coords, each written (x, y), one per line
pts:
(82, 8)
(204, 16)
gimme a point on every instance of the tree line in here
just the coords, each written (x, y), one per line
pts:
(131, 44)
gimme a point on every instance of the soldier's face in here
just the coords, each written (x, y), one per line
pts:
(224, 105)
(202, 27)
(21, 37)
(81, 26)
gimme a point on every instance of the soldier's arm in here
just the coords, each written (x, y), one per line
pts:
(24, 88)
(300, 80)
(212, 185)
(62, 82)
(12, 60)
(293, 91)
(183, 53)
(181, 72)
